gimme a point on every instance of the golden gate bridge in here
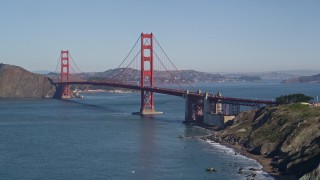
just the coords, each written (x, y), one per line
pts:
(147, 59)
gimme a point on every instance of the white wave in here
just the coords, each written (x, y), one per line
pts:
(221, 148)
(260, 174)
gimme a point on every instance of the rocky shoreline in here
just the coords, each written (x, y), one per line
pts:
(285, 140)
(263, 161)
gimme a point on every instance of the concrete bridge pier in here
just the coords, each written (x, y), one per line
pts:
(193, 109)
(207, 108)
(187, 109)
(62, 92)
(66, 92)
(214, 114)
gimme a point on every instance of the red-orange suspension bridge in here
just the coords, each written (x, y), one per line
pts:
(198, 106)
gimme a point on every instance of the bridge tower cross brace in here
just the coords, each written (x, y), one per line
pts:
(65, 89)
(147, 74)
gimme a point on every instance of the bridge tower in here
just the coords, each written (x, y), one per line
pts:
(65, 89)
(147, 75)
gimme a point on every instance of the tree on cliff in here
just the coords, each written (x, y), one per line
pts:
(293, 98)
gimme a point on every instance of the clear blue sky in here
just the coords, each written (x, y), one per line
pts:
(205, 35)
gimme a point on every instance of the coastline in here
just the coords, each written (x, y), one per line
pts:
(282, 139)
(263, 161)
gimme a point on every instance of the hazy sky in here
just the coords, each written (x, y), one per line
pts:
(205, 35)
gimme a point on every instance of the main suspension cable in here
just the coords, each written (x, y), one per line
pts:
(188, 80)
(75, 63)
(124, 58)
(55, 71)
(122, 70)
(167, 69)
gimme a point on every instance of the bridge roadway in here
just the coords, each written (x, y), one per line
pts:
(174, 92)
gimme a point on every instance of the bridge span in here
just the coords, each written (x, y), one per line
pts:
(199, 106)
(175, 92)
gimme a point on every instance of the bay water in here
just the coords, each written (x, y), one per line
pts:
(97, 137)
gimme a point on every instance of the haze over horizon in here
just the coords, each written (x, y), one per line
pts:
(209, 36)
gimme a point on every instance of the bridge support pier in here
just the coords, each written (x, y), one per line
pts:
(193, 109)
(215, 113)
(212, 115)
(187, 109)
(206, 108)
(65, 92)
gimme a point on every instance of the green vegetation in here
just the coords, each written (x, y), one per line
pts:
(288, 134)
(273, 124)
(293, 98)
(298, 107)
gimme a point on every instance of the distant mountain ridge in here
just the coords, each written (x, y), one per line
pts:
(266, 76)
(305, 79)
(165, 77)
(192, 76)
(275, 75)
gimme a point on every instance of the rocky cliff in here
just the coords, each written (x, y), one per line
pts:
(289, 135)
(16, 82)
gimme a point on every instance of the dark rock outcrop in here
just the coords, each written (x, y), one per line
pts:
(289, 134)
(315, 174)
(16, 82)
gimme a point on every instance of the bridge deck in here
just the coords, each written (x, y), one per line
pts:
(174, 92)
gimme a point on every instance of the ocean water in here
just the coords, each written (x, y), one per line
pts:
(97, 137)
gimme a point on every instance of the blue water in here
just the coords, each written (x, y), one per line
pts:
(98, 138)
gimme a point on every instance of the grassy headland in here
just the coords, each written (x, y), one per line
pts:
(287, 135)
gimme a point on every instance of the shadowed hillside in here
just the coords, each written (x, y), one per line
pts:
(16, 82)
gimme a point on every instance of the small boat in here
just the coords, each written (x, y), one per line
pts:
(78, 96)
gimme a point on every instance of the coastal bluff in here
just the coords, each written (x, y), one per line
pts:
(16, 82)
(287, 135)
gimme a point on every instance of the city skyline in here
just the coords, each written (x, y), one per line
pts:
(209, 36)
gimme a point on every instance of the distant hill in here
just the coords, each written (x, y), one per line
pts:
(277, 75)
(161, 77)
(132, 76)
(274, 75)
(16, 82)
(305, 79)
(300, 72)
(183, 76)
(249, 78)
(264, 75)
